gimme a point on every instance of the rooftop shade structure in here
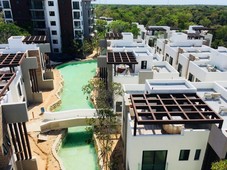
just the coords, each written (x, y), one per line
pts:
(155, 28)
(35, 39)
(195, 35)
(202, 28)
(176, 108)
(111, 35)
(121, 58)
(10, 60)
(5, 80)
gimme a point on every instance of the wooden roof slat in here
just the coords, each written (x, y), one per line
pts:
(188, 116)
(120, 58)
(35, 39)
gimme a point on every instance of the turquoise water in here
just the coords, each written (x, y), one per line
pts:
(75, 152)
(76, 75)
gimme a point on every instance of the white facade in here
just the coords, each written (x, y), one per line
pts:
(7, 12)
(173, 144)
(152, 139)
(213, 70)
(53, 23)
(15, 44)
(77, 21)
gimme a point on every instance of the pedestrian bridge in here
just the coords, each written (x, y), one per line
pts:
(66, 119)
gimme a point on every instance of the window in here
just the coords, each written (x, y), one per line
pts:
(54, 32)
(143, 64)
(170, 60)
(78, 34)
(154, 160)
(77, 24)
(190, 77)
(51, 13)
(76, 5)
(184, 155)
(52, 23)
(197, 154)
(55, 41)
(50, 3)
(8, 14)
(166, 57)
(19, 90)
(76, 15)
(56, 50)
(118, 106)
(5, 4)
(179, 69)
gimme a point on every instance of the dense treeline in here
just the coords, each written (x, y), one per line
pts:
(174, 16)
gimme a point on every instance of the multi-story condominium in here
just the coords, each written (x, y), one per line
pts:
(24, 74)
(61, 21)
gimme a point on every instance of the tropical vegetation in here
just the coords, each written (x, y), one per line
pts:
(174, 16)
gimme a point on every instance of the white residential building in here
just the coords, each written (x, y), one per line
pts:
(171, 125)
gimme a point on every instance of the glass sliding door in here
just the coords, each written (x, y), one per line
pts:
(154, 160)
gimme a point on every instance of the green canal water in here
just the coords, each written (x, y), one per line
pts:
(76, 153)
(76, 75)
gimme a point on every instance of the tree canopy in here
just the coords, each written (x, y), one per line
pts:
(10, 29)
(174, 16)
(221, 165)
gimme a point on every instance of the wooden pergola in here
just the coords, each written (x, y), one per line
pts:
(162, 109)
(5, 80)
(11, 60)
(35, 39)
(115, 36)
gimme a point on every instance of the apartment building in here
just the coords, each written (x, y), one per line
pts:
(60, 21)
(24, 75)
(174, 124)
(169, 122)
(34, 70)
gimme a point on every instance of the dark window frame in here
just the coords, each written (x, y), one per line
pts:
(155, 154)
(76, 5)
(55, 41)
(19, 89)
(54, 32)
(53, 23)
(179, 69)
(50, 3)
(144, 64)
(197, 154)
(52, 13)
(184, 154)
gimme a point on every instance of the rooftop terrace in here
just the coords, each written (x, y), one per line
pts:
(178, 108)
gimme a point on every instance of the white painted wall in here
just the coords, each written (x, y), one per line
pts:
(127, 79)
(189, 139)
(172, 52)
(139, 59)
(219, 59)
(203, 75)
(12, 96)
(184, 61)
(55, 18)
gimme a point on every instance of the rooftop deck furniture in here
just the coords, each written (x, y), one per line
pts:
(223, 110)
